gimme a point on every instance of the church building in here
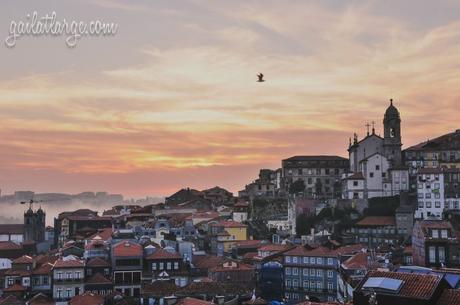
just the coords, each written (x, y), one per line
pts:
(375, 163)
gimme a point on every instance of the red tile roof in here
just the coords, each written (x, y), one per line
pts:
(14, 288)
(25, 259)
(161, 254)
(97, 262)
(207, 261)
(449, 297)
(273, 247)
(357, 261)
(418, 286)
(253, 243)
(103, 234)
(43, 269)
(98, 278)
(41, 299)
(87, 299)
(10, 300)
(305, 251)
(127, 248)
(69, 263)
(232, 266)
(9, 245)
(377, 221)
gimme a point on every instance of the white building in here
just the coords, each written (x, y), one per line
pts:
(430, 193)
(375, 178)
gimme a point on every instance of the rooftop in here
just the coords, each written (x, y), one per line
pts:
(127, 248)
(418, 286)
(377, 221)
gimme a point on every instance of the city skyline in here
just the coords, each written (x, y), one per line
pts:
(151, 110)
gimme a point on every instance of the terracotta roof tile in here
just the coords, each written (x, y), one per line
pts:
(377, 221)
(43, 269)
(69, 263)
(25, 259)
(127, 248)
(97, 262)
(98, 278)
(14, 288)
(449, 297)
(9, 245)
(357, 261)
(163, 254)
(419, 286)
(87, 299)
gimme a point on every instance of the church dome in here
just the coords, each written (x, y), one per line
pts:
(391, 112)
(40, 211)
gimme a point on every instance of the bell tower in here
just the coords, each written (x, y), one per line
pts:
(392, 135)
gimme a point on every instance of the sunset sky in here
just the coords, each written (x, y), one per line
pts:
(172, 100)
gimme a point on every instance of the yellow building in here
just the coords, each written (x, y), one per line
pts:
(228, 233)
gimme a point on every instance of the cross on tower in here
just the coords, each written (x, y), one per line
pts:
(367, 126)
(373, 127)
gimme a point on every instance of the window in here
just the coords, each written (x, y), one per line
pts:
(428, 195)
(442, 254)
(435, 233)
(371, 174)
(168, 266)
(377, 167)
(444, 233)
(330, 274)
(305, 272)
(162, 266)
(295, 271)
(305, 260)
(355, 183)
(428, 204)
(330, 286)
(78, 275)
(319, 285)
(294, 260)
(295, 283)
(176, 265)
(288, 283)
(437, 204)
(288, 271)
(437, 195)
(154, 266)
(312, 260)
(319, 273)
(432, 254)
(312, 285)
(288, 259)
(319, 260)
(305, 284)
(312, 272)
(329, 261)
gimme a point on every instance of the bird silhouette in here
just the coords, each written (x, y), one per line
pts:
(261, 77)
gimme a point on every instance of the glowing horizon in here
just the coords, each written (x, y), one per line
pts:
(172, 101)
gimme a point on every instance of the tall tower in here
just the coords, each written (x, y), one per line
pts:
(392, 135)
(34, 225)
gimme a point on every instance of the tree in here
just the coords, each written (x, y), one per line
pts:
(297, 186)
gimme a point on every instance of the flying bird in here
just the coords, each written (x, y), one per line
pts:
(261, 77)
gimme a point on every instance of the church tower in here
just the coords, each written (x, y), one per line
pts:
(34, 225)
(392, 135)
